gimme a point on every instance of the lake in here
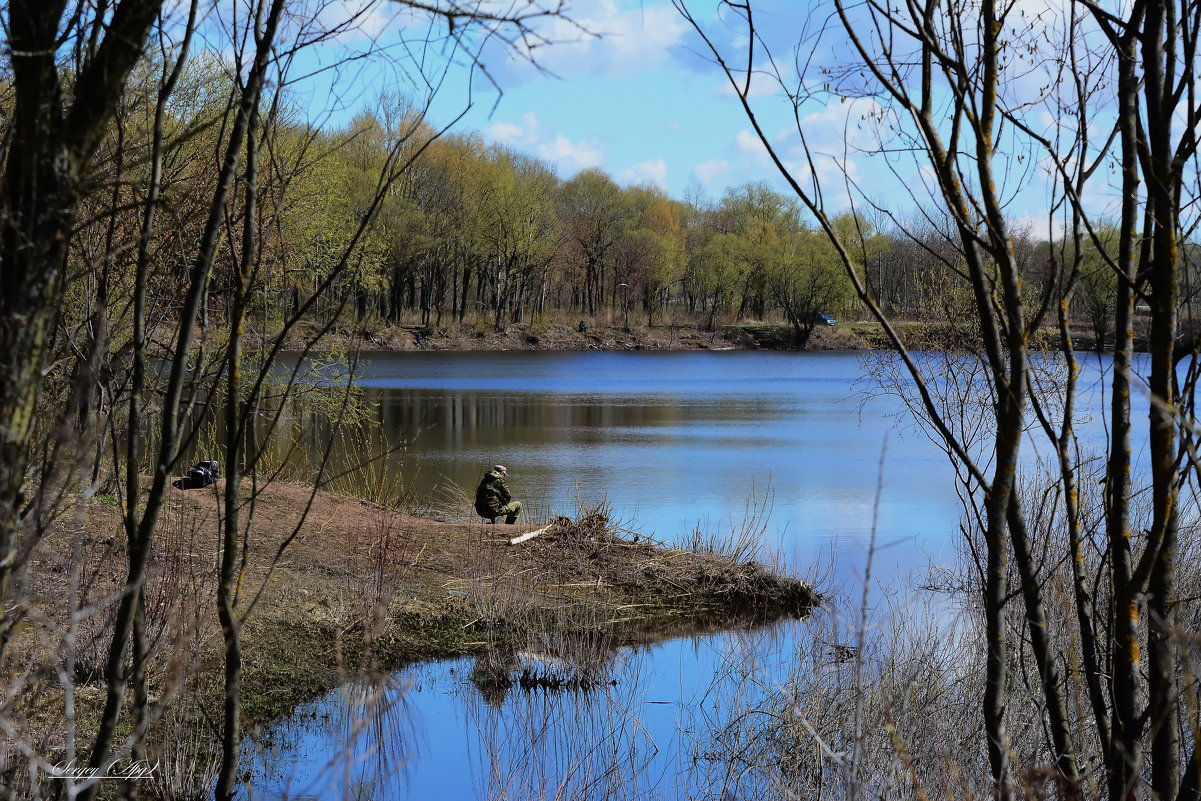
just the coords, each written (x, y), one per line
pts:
(673, 442)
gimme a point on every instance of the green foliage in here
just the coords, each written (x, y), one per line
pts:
(807, 279)
(716, 269)
(1097, 282)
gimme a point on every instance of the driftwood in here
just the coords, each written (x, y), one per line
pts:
(529, 535)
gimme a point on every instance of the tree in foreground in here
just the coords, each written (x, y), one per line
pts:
(994, 101)
(152, 159)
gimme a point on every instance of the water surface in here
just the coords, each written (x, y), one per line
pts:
(673, 442)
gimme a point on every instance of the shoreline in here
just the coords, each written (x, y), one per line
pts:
(461, 337)
(561, 337)
(364, 590)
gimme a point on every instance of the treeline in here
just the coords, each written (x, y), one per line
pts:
(483, 230)
(471, 232)
(466, 231)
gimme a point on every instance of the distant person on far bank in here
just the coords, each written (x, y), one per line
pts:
(492, 498)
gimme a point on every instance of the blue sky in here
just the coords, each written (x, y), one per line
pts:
(639, 102)
(636, 100)
(640, 99)
(645, 102)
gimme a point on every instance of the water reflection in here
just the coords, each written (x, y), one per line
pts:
(354, 743)
(671, 440)
(587, 744)
(434, 732)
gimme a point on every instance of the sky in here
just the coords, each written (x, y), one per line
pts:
(638, 102)
(625, 87)
(629, 87)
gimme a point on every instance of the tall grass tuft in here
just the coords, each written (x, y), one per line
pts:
(745, 540)
(372, 473)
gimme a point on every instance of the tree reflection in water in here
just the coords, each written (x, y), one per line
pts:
(579, 739)
(354, 742)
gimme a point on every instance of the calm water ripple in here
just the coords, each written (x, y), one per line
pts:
(673, 441)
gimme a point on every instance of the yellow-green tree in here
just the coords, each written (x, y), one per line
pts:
(806, 279)
(595, 213)
(715, 271)
(515, 229)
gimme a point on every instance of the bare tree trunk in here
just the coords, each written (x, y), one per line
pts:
(49, 148)
(235, 413)
(1124, 754)
(1040, 644)
(1159, 62)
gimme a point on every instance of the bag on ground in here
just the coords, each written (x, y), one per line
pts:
(200, 475)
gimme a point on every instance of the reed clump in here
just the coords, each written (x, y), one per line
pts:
(681, 579)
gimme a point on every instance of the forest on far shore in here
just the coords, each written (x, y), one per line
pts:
(474, 232)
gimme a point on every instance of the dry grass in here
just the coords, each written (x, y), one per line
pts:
(360, 589)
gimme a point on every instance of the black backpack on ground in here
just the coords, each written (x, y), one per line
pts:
(200, 475)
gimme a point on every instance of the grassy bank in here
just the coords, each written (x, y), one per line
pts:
(335, 588)
(860, 335)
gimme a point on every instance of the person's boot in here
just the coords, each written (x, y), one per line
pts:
(511, 519)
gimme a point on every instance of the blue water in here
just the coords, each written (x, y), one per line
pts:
(673, 441)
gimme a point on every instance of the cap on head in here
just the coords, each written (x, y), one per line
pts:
(500, 468)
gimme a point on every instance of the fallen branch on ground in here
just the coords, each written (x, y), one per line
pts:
(529, 535)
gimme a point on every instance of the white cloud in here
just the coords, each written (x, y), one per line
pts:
(751, 146)
(1039, 225)
(653, 171)
(349, 22)
(852, 123)
(609, 39)
(762, 85)
(508, 133)
(929, 176)
(833, 175)
(571, 157)
(748, 142)
(568, 156)
(709, 172)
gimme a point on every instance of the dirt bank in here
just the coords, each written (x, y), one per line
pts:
(363, 586)
(523, 336)
(918, 336)
(340, 587)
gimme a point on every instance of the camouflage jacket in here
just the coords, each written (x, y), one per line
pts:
(491, 495)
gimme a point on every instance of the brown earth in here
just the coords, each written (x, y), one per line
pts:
(918, 336)
(556, 336)
(337, 586)
(846, 335)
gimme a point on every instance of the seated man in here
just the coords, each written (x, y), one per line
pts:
(492, 498)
